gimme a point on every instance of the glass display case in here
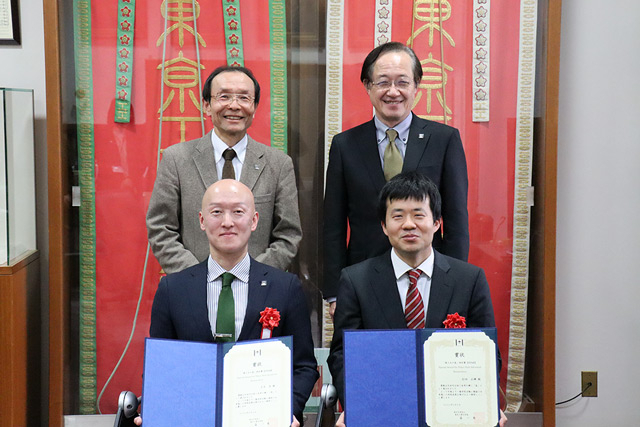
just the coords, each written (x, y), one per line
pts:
(129, 88)
(17, 174)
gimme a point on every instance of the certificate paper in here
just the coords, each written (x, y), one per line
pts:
(201, 384)
(257, 385)
(460, 379)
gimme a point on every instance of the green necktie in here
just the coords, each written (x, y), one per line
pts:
(226, 317)
(392, 158)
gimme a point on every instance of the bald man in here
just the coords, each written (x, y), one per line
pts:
(186, 303)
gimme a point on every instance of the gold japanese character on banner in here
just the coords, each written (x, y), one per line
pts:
(181, 12)
(430, 17)
(181, 75)
(434, 78)
(433, 13)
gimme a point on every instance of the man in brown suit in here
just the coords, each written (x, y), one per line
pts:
(231, 96)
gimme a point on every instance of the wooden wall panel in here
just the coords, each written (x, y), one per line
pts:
(540, 359)
(20, 341)
(59, 234)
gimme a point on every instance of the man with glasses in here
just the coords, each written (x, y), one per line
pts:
(230, 97)
(364, 158)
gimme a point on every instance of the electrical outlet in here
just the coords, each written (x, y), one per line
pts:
(590, 377)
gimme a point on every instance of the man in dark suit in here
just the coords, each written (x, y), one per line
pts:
(188, 305)
(230, 97)
(412, 285)
(361, 160)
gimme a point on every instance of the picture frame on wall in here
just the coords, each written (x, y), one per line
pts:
(9, 22)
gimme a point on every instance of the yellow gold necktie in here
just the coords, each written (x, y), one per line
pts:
(392, 160)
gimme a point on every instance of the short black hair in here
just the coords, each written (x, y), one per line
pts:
(367, 66)
(410, 185)
(206, 88)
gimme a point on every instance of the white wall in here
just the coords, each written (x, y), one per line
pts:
(598, 235)
(23, 67)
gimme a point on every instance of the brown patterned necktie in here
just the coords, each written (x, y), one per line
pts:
(414, 307)
(227, 170)
(392, 159)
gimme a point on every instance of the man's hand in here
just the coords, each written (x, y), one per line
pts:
(332, 309)
(137, 420)
(503, 419)
(340, 422)
(295, 422)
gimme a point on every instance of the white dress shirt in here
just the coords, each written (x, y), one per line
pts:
(239, 287)
(218, 148)
(383, 140)
(401, 270)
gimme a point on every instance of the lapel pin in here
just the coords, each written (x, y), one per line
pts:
(256, 167)
(421, 135)
(263, 283)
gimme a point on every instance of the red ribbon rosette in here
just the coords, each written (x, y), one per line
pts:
(455, 321)
(270, 318)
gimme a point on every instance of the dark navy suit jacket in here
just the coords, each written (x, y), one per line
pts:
(355, 178)
(369, 299)
(180, 312)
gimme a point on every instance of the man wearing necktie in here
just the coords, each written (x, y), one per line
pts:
(220, 299)
(230, 97)
(364, 158)
(411, 285)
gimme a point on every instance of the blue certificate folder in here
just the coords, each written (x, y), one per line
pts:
(182, 383)
(384, 375)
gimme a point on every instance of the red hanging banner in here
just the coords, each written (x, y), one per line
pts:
(176, 42)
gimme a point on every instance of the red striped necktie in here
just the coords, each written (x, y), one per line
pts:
(414, 307)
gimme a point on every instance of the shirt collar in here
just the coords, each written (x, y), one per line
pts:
(219, 146)
(240, 270)
(400, 267)
(402, 128)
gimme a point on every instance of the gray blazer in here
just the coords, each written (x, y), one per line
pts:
(187, 170)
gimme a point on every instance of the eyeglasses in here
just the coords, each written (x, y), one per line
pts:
(399, 84)
(227, 98)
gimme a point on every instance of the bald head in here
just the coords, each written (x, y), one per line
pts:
(228, 187)
(228, 217)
